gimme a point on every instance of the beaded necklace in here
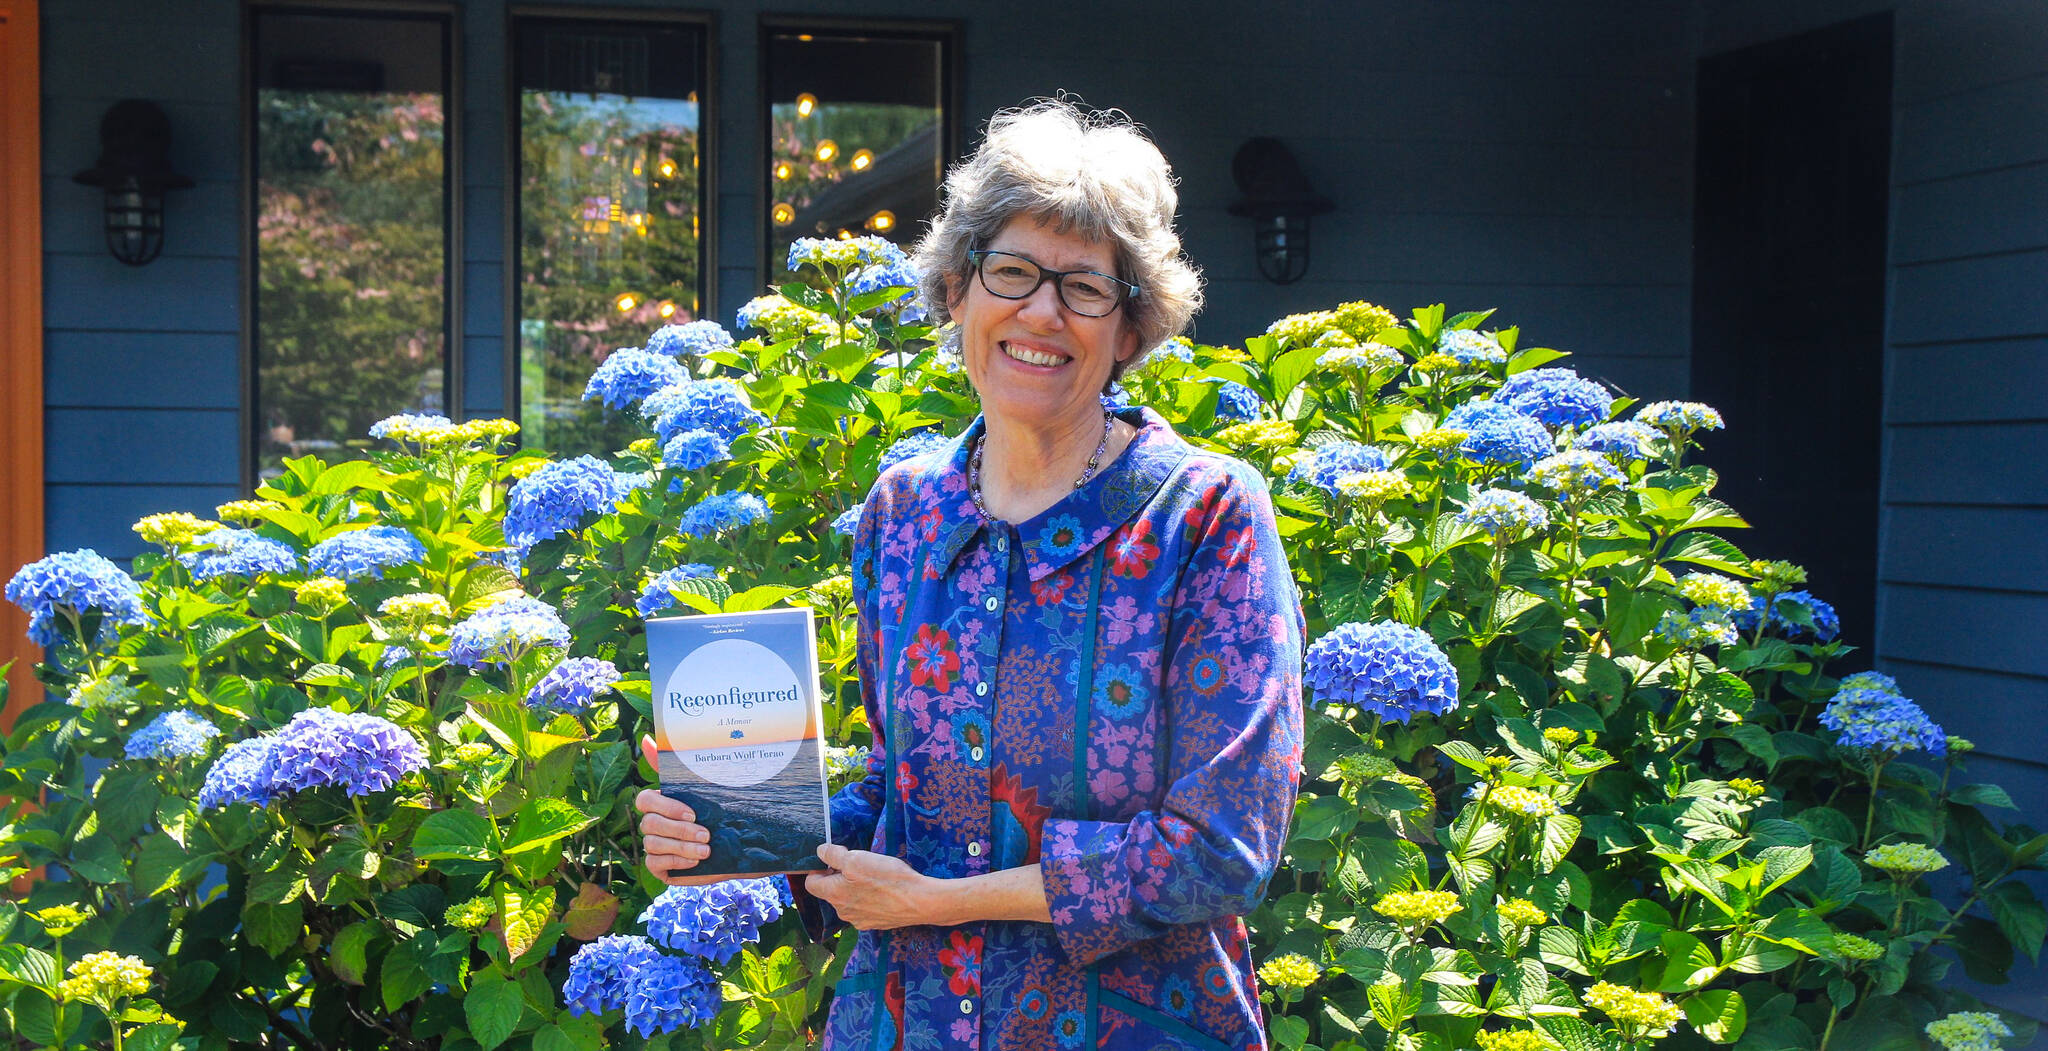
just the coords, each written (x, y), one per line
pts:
(974, 467)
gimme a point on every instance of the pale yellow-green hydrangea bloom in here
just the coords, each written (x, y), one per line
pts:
(1961, 744)
(1258, 434)
(1521, 800)
(1714, 591)
(1512, 1040)
(1228, 354)
(1365, 358)
(415, 608)
(1561, 736)
(60, 920)
(322, 594)
(1521, 912)
(104, 977)
(779, 317)
(1436, 362)
(1639, 1015)
(1363, 320)
(1905, 858)
(173, 529)
(1292, 971)
(519, 469)
(1969, 1031)
(1746, 787)
(1374, 487)
(242, 510)
(1853, 947)
(472, 914)
(834, 589)
(1301, 330)
(1360, 767)
(478, 430)
(97, 692)
(1413, 908)
(1774, 578)
(470, 753)
(1440, 438)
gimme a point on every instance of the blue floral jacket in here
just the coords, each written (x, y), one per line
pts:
(1110, 690)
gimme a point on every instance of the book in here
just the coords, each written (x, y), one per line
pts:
(738, 730)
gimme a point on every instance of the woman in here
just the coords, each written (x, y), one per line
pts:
(1080, 647)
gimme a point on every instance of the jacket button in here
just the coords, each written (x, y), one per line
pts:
(966, 1006)
(974, 848)
(981, 689)
(990, 603)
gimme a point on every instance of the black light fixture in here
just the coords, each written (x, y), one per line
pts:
(134, 171)
(1280, 201)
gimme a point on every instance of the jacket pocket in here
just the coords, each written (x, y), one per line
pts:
(1173, 1032)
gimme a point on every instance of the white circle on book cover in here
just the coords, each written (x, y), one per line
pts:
(738, 744)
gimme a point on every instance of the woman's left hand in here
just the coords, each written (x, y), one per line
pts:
(875, 891)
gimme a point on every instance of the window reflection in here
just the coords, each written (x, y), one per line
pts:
(610, 205)
(351, 228)
(852, 153)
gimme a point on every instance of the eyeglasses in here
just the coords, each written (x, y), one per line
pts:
(1084, 292)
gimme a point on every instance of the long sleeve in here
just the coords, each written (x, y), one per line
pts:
(1231, 671)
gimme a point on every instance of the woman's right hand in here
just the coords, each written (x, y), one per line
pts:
(673, 839)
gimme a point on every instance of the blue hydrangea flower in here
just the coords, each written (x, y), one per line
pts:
(245, 773)
(695, 450)
(1394, 670)
(1322, 467)
(1882, 722)
(629, 375)
(720, 512)
(1235, 401)
(1179, 348)
(1558, 397)
(1499, 434)
(501, 632)
(894, 273)
(659, 594)
(364, 552)
(172, 735)
(238, 553)
(1627, 439)
(573, 684)
(1470, 345)
(354, 751)
(911, 446)
(669, 993)
(1575, 471)
(81, 581)
(1504, 512)
(1686, 416)
(1873, 680)
(1117, 400)
(848, 520)
(713, 921)
(555, 499)
(715, 405)
(1826, 623)
(690, 337)
(601, 973)
(1702, 627)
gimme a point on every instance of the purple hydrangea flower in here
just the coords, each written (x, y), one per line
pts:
(912, 446)
(848, 520)
(1498, 434)
(1322, 467)
(715, 405)
(1394, 670)
(1558, 397)
(555, 499)
(81, 581)
(1882, 722)
(720, 512)
(713, 921)
(364, 552)
(695, 450)
(574, 683)
(500, 633)
(690, 337)
(172, 735)
(670, 992)
(238, 553)
(659, 594)
(629, 375)
(601, 972)
(354, 751)
(245, 773)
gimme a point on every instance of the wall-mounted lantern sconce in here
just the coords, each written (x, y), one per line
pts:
(1279, 201)
(134, 171)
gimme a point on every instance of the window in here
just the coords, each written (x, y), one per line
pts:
(859, 124)
(610, 211)
(350, 315)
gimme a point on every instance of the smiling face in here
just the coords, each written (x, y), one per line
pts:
(1036, 363)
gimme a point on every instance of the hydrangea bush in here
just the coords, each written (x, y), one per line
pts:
(350, 764)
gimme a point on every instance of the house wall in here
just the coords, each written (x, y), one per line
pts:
(1962, 567)
(1528, 157)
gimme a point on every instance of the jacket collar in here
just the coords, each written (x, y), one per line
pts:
(1071, 528)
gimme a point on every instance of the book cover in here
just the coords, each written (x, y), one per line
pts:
(737, 726)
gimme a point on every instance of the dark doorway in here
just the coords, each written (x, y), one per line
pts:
(1793, 175)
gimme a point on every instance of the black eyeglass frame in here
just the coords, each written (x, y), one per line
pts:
(1057, 277)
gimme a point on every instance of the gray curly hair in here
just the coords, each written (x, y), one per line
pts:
(1088, 172)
